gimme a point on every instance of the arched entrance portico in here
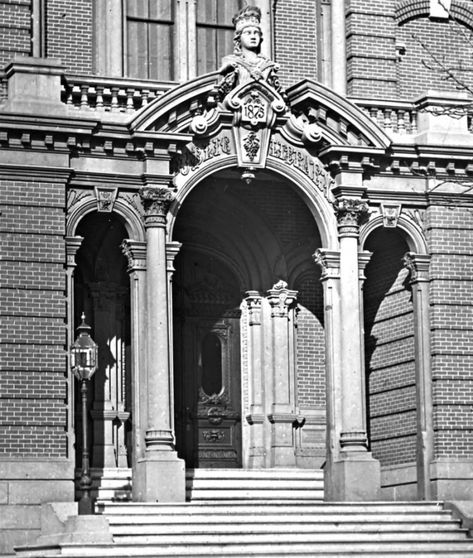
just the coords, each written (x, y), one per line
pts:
(245, 278)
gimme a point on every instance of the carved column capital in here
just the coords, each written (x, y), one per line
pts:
(350, 213)
(281, 298)
(156, 201)
(253, 301)
(73, 243)
(329, 262)
(135, 252)
(172, 250)
(418, 266)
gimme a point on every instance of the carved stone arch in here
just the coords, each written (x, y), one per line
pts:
(88, 204)
(319, 206)
(413, 233)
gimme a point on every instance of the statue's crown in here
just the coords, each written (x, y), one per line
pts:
(247, 17)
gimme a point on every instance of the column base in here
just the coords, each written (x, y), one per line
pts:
(160, 478)
(352, 477)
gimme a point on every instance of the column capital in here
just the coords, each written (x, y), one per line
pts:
(280, 298)
(418, 266)
(135, 252)
(156, 201)
(73, 243)
(329, 262)
(253, 300)
(172, 250)
(363, 260)
(350, 213)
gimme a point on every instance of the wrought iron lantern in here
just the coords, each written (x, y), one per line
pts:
(84, 360)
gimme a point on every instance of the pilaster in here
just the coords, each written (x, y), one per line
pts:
(256, 417)
(283, 411)
(160, 473)
(418, 266)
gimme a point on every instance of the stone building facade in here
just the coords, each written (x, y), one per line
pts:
(285, 290)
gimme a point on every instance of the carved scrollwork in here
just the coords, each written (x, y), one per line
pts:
(213, 435)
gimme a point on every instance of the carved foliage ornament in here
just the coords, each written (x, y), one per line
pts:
(351, 211)
(156, 202)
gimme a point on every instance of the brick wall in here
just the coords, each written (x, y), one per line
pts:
(70, 34)
(33, 388)
(450, 232)
(15, 29)
(295, 40)
(443, 40)
(371, 55)
(389, 345)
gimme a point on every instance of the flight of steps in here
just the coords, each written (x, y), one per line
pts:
(244, 514)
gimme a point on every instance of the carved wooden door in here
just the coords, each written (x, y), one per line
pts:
(208, 399)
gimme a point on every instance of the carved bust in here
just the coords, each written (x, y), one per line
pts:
(247, 63)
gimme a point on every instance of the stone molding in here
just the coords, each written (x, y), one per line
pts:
(254, 301)
(418, 266)
(135, 252)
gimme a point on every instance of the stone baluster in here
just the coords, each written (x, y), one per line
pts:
(99, 99)
(418, 266)
(401, 121)
(114, 107)
(283, 408)
(84, 97)
(144, 97)
(256, 416)
(130, 106)
(160, 473)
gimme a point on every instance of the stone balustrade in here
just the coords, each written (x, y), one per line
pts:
(398, 117)
(115, 95)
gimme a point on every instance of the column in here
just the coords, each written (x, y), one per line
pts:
(329, 261)
(283, 414)
(256, 417)
(418, 266)
(357, 474)
(161, 475)
(135, 252)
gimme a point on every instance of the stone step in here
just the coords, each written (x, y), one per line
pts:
(225, 508)
(388, 548)
(303, 525)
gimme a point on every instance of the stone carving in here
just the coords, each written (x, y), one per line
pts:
(351, 212)
(251, 143)
(417, 265)
(281, 298)
(247, 63)
(76, 196)
(105, 198)
(391, 213)
(156, 202)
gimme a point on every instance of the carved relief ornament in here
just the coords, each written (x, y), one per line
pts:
(281, 298)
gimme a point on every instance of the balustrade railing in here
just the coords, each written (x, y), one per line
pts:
(115, 95)
(398, 117)
(126, 96)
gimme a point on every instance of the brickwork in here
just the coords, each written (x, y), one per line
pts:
(389, 347)
(310, 343)
(33, 388)
(15, 29)
(371, 53)
(70, 34)
(295, 40)
(450, 233)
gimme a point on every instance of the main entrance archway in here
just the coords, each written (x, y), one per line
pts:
(249, 387)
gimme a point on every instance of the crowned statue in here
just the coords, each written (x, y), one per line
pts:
(247, 63)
